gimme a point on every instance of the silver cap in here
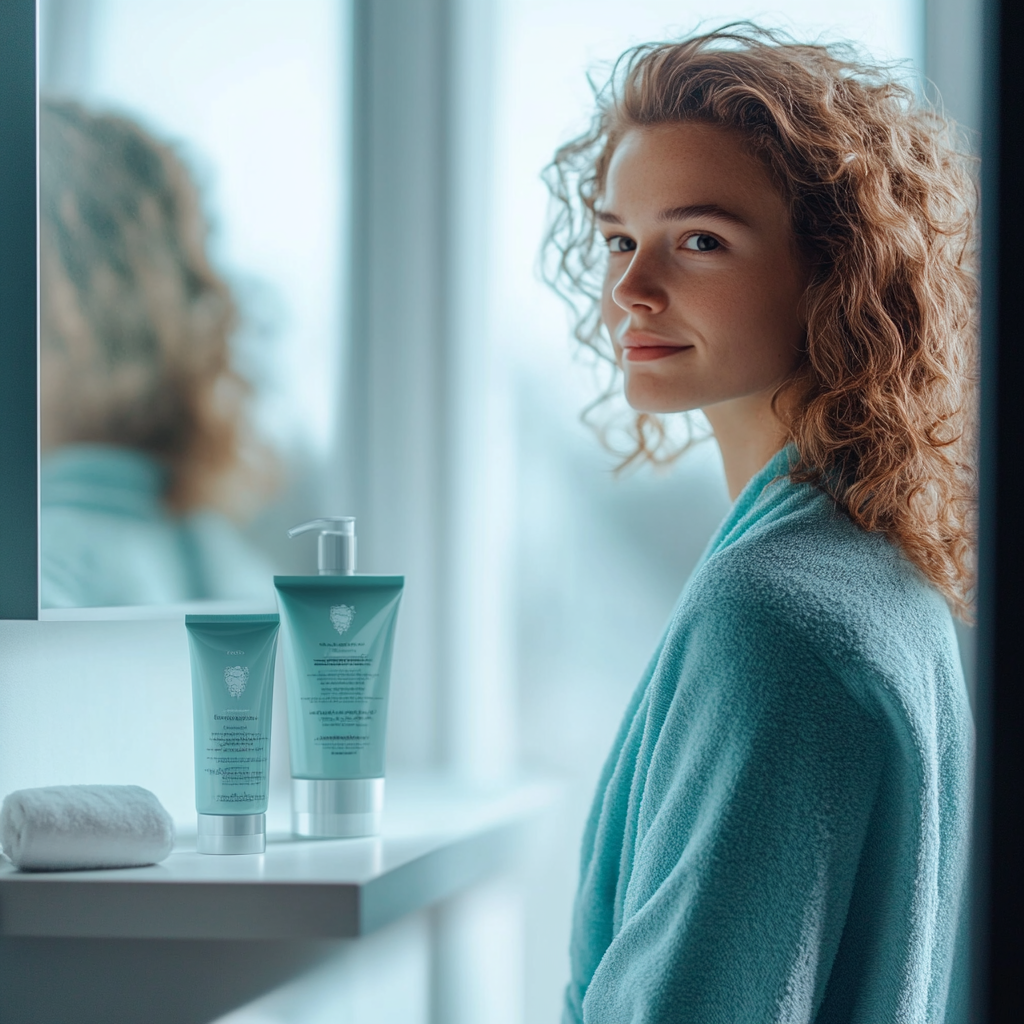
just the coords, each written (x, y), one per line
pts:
(337, 808)
(231, 833)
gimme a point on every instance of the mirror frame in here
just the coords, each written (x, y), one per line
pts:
(19, 419)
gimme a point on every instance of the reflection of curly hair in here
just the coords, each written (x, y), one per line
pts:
(882, 201)
(135, 323)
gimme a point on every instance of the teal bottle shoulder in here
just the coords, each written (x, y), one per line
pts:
(329, 582)
(228, 620)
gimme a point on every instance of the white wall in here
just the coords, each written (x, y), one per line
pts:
(97, 702)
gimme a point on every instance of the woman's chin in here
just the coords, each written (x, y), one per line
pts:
(643, 397)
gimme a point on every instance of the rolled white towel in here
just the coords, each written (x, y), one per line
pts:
(68, 828)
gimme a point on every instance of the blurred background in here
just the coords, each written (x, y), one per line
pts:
(370, 177)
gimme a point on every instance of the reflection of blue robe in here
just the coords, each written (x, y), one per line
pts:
(106, 538)
(780, 833)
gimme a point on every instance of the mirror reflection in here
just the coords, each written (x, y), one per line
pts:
(190, 183)
(146, 442)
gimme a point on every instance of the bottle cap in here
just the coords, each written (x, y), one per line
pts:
(336, 547)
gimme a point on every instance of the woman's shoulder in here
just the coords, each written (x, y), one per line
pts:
(799, 546)
(801, 569)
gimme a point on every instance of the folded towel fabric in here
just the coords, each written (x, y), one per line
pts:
(68, 828)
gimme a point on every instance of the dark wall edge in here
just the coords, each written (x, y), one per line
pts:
(999, 832)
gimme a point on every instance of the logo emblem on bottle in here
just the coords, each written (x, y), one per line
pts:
(341, 617)
(235, 678)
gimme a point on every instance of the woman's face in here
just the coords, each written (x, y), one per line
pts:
(702, 296)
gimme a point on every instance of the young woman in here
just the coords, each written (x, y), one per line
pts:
(780, 236)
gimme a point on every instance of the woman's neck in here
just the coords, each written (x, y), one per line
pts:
(748, 433)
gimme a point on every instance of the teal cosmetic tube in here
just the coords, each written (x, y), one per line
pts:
(232, 697)
(337, 639)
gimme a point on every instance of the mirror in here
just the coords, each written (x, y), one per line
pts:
(192, 194)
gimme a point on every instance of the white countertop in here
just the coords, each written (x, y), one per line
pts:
(437, 839)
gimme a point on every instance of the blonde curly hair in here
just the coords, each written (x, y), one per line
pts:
(882, 195)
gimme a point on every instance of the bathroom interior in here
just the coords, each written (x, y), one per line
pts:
(370, 173)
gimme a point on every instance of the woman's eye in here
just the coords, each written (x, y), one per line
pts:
(701, 243)
(620, 243)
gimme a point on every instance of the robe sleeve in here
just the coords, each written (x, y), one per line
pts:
(756, 769)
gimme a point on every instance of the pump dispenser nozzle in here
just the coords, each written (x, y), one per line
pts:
(336, 549)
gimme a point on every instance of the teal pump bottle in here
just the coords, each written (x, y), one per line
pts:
(338, 631)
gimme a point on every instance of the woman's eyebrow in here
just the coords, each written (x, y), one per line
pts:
(712, 210)
(702, 210)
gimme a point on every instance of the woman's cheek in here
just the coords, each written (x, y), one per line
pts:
(612, 328)
(612, 316)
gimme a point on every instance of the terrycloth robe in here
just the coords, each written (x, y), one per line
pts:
(780, 833)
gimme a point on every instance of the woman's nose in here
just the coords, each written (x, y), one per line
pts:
(641, 288)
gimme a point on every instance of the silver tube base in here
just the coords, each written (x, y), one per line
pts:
(231, 833)
(337, 808)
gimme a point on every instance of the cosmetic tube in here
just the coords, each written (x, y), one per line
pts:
(337, 638)
(232, 696)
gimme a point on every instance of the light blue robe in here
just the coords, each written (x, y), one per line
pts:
(780, 833)
(106, 537)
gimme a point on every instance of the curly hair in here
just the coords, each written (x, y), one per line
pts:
(135, 324)
(882, 199)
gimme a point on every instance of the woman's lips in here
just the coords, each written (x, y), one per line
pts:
(640, 347)
(647, 353)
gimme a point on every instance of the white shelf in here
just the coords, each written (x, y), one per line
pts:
(437, 840)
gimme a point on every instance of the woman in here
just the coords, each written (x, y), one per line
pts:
(143, 419)
(780, 236)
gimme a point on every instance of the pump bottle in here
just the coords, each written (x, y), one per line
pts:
(338, 630)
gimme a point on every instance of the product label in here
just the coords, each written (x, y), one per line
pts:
(338, 658)
(232, 675)
(237, 761)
